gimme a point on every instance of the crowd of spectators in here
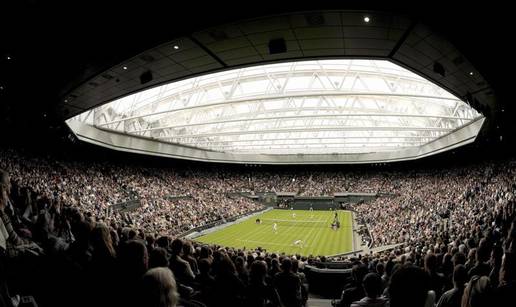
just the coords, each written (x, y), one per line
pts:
(61, 242)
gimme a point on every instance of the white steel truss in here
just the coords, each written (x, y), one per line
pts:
(314, 107)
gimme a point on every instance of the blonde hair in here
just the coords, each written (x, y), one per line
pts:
(160, 288)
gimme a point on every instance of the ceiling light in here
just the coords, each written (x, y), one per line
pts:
(471, 73)
(176, 47)
(367, 19)
(8, 57)
(125, 67)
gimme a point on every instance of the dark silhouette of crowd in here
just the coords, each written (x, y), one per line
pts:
(62, 245)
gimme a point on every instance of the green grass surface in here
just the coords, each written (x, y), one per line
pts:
(313, 228)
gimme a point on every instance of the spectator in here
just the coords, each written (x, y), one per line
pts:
(159, 288)
(372, 284)
(453, 297)
(478, 292)
(288, 285)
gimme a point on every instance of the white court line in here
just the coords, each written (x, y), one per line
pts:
(263, 242)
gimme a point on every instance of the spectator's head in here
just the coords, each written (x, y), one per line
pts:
(226, 266)
(101, 241)
(430, 263)
(240, 263)
(159, 288)
(358, 272)
(131, 235)
(162, 242)
(477, 293)
(176, 246)
(187, 248)
(483, 251)
(380, 268)
(5, 180)
(458, 258)
(286, 265)
(409, 287)
(388, 267)
(134, 258)
(258, 271)
(206, 252)
(372, 285)
(460, 276)
(158, 258)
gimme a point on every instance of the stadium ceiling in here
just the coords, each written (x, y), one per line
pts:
(318, 87)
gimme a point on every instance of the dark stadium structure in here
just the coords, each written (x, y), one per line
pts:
(131, 130)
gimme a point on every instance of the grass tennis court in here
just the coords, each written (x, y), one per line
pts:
(312, 228)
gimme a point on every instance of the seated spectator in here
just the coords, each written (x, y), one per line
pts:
(410, 287)
(453, 297)
(159, 288)
(228, 287)
(259, 293)
(372, 284)
(478, 292)
(158, 258)
(181, 268)
(288, 285)
(187, 255)
(354, 291)
(437, 280)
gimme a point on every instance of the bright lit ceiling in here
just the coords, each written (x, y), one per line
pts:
(346, 106)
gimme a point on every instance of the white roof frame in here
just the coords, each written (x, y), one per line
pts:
(309, 107)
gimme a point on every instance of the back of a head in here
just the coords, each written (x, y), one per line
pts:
(409, 287)
(226, 266)
(286, 265)
(176, 246)
(162, 242)
(134, 257)
(372, 285)
(4, 178)
(258, 271)
(459, 258)
(477, 292)
(358, 272)
(159, 288)
(158, 258)
(187, 248)
(430, 263)
(380, 268)
(460, 276)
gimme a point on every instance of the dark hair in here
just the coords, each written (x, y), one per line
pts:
(459, 258)
(158, 258)
(372, 285)
(460, 276)
(176, 246)
(286, 264)
(409, 287)
(258, 272)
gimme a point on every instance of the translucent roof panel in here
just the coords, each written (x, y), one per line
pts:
(346, 106)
